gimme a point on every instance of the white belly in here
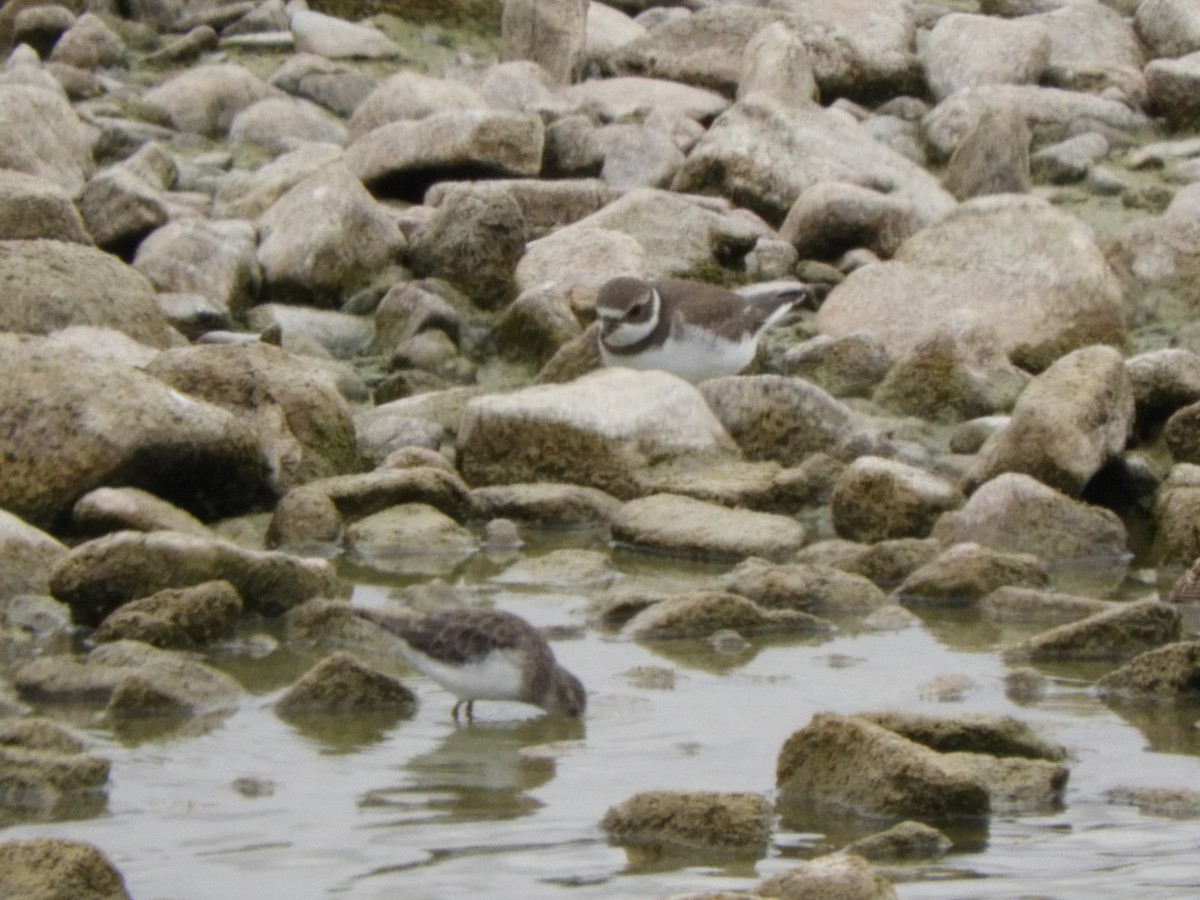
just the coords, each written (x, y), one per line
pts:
(498, 676)
(695, 357)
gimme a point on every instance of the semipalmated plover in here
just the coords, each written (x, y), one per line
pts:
(483, 654)
(689, 328)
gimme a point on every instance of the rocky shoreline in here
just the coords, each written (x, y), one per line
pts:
(285, 286)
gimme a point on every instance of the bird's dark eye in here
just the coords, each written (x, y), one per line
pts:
(636, 309)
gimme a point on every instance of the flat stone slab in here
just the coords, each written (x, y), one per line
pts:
(689, 527)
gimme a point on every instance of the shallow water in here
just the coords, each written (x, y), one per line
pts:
(510, 805)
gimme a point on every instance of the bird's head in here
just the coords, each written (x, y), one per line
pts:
(628, 310)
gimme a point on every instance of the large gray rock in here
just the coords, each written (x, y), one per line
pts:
(1012, 263)
(325, 239)
(762, 155)
(1068, 423)
(100, 423)
(28, 555)
(341, 685)
(1168, 27)
(44, 137)
(992, 157)
(279, 124)
(1052, 111)
(409, 538)
(779, 418)
(816, 589)
(776, 61)
(206, 98)
(1176, 510)
(967, 50)
(1016, 513)
(621, 97)
(850, 765)
(335, 38)
(130, 509)
(242, 194)
(98, 576)
(1173, 85)
(410, 95)
(964, 573)
(604, 430)
(52, 284)
(1094, 48)
(213, 258)
(303, 424)
(33, 207)
(876, 499)
(175, 618)
(551, 33)
(402, 159)
(688, 527)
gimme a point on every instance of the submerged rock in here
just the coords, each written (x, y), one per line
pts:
(1164, 675)
(963, 574)
(907, 840)
(1116, 634)
(702, 613)
(972, 733)
(46, 772)
(815, 589)
(839, 875)
(685, 822)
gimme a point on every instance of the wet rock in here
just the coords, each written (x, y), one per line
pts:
(1015, 604)
(964, 573)
(907, 840)
(410, 537)
(131, 680)
(686, 526)
(836, 876)
(304, 513)
(850, 765)
(702, 613)
(340, 685)
(560, 568)
(99, 422)
(1071, 420)
(1164, 675)
(878, 499)
(1115, 634)
(992, 157)
(302, 423)
(131, 509)
(691, 822)
(849, 366)
(100, 575)
(885, 563)
(794, 148)
(816, 589)
(976, 733)
(967, 50)
(958, 373)
(28, 555)
(779, 418)
(45, 772)
(335, 38)
(1016, 785)
(206, 98)
(55, 144)
(1014, 513)
(58, 869)
(401, 159)
(175, 618)
(553, 35)
(601, 431)
(215, 259)
(33, 207)
(325, 239)
(1171, 803)
(1176, 507)
(990, 250)
(546, 504)
(52, 284)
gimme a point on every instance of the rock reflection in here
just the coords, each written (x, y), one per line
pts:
(482, 771)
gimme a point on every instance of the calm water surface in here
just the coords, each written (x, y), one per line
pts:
(509, 806)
